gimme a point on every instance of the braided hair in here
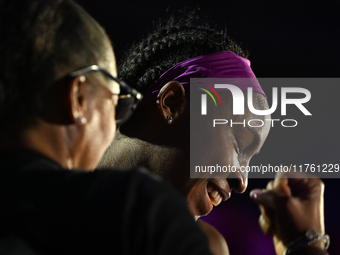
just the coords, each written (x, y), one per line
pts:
(168, 45)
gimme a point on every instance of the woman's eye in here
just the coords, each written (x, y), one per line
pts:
(237, 149)
(237, 146)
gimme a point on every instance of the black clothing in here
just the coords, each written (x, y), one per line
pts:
(58, 211)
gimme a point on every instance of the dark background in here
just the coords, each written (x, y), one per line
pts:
(285, 39)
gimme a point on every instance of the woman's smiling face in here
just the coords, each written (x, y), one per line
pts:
(232, 146)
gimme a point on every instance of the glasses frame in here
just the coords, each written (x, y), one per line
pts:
(127, 91)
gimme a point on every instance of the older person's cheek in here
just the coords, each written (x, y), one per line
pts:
(103, 128)
(110, 123)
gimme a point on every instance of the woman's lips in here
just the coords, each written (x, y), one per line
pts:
(216, 191)
(216, 194)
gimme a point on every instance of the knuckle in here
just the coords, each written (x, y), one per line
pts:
(270, 185)
(319, 184)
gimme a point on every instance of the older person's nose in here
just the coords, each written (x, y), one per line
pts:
(238, 181)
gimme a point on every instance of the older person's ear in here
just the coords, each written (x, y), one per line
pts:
(171, 101)
(77, 99)
(66, 103)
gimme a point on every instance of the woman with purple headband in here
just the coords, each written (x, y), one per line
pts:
(157, 135)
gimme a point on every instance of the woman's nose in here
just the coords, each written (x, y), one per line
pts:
(238, 181)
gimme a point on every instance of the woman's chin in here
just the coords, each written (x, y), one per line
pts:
(202, 207)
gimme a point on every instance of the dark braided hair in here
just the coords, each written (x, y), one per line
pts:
(40, 40)
(168, 45)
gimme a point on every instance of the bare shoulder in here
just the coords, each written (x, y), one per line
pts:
(217, 243)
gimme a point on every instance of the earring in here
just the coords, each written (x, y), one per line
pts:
(169, 118)
(81, 120)
(82, 78)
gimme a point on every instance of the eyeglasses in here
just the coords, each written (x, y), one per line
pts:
(128, 98)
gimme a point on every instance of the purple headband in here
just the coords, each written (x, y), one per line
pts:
(223, 64)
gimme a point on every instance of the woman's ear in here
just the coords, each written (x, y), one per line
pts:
(171, 101)
(77, 99)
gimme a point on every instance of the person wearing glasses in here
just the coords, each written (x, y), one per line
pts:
(60, 102)
(157, 135)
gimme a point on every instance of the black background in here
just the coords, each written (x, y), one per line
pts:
(285, 39)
